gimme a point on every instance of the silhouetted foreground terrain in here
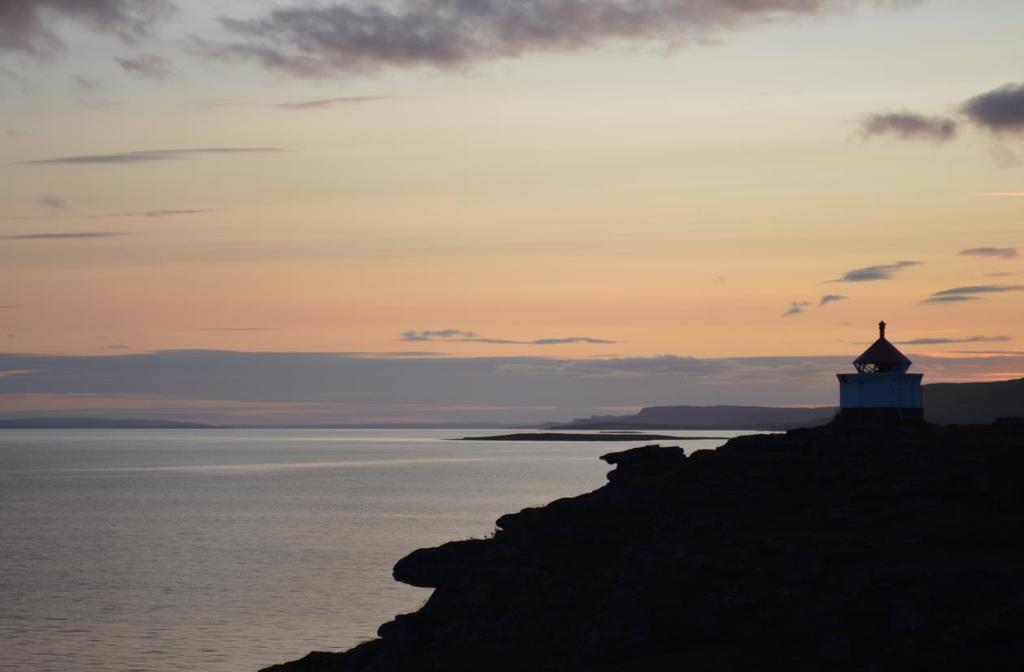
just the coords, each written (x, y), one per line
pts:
(823, 549)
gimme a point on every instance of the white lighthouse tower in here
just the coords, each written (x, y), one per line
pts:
(881, 390)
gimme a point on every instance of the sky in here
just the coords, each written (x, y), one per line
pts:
(443, 209)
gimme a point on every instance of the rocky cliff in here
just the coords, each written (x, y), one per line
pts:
(833, 548)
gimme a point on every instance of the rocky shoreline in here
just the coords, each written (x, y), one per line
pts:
(834, 548)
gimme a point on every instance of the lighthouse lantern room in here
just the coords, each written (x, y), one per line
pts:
(881, 389)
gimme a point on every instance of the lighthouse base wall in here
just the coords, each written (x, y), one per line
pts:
(880, 390)
(888, 397)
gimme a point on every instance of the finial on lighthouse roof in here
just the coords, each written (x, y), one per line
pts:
(881, 329)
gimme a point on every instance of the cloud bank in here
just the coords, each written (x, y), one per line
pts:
(339, 38)
(349, 387)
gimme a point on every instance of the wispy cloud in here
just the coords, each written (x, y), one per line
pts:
(460, 336)
(28, 26)
(325, 103)
(52, 201)
(1000, 111)
(970, 293)
(1001, 194)
(879, 272)
(242, 329)
(331, 38)
(85, 84)
(909, 126)
(996, 252)
(413, 336)
(150, 66)
(949, 341)
(151, 155)
(152, 214)
(831, 298)
(953, 298)
(66, 235)
(796, 308)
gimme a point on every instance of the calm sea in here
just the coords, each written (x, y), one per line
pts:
(232, 550)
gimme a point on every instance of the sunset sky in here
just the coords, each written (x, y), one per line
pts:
(500, 209)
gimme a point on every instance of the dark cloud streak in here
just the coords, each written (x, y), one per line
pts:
(879, 272)
(831, 298)
(325, 103)
(150, 155)
(996, 252)
(909, 126)
(241, 329)
(66, 235)
(950, 299)
(153, 214)
(460, 336)
(970, 293)
(949, 341)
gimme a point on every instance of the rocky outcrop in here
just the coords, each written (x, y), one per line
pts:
(834, 548)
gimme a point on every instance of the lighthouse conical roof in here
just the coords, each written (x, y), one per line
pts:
(882, 355)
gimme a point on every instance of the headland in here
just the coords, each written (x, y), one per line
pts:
(840, 548)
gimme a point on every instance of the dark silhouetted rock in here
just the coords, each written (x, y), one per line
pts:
(868, 548)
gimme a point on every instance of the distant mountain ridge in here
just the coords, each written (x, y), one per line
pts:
(944, 404)
(709, 417)
(973, 403)
(96, 423)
